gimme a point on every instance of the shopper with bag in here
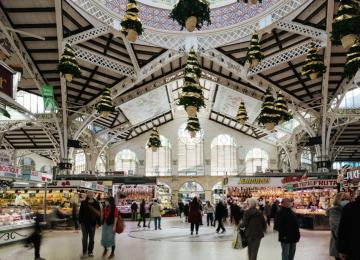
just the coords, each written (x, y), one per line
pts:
(89, 218)
(109, 222)
(255, 227)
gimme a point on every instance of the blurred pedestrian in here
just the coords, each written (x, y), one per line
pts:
(109, 220)
(195, 217)
(220, 215)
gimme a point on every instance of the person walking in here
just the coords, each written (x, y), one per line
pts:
(186, 212)
(220, 215)
(209, 210)
(109, 220)
(35, 237)
(334, 214)
(134, 208)
(267, 212)
(142, 214)
(255, 227)
(89, 217)
(195, 216)
(75, 211)
(156, 214)
(181, 208)
(349, 230)
(287, 226)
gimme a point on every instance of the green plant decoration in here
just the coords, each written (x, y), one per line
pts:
(68, 65)
(352, 64)
(191, 14)
(193, 126)
(346, 24)
(192, 97)
(254, 55)
(105, 106)
(282, 108)
(154, 141)
(131, 24)
(314, 65)
(242, 116)
(269, 116)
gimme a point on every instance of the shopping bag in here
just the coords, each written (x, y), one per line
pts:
(138, 217)
(236, 243)
(120, 225)
(242, 238)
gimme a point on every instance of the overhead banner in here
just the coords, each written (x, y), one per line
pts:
(9, 171)
(41, 176)
(351, 174)
(47, 93)
(312, 183)
(254, 182)
(4, 158)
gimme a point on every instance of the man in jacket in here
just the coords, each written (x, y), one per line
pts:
(349, 230)
(134, 208)
(155, 213)
(220, 214)
(89, 217)
(287, 226)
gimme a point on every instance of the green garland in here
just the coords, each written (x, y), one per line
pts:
(105, 104)
(352, 64)
(346, 21)
(313, 63)
(132, 19)
(186, 8)
(268, 113)
(68, 63)
(282, 108)
(242, 114)
(192, 94)
(254, 51)
(193, 124)
(154, 140)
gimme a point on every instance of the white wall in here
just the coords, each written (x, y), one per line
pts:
(39, 160)
(211, 130)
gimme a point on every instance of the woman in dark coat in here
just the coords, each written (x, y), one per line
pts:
(142, 214)
(195, 216)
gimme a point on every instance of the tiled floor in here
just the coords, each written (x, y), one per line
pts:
(173, 242)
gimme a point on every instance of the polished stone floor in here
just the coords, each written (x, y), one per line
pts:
(173, 242)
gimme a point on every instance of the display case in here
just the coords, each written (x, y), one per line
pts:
(16, 223)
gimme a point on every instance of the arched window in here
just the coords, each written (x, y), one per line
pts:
(79, 162)
(191, 152)
(126, 160)
(223, 156)
(101, 164)
(306, 159)
(27, 165)
(191, 189)
(159, 163)
(256, 160)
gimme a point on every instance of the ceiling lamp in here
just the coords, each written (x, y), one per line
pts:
(131, 25)
(193, 126)
(242, 116)
(314, 65)
(352, 64)
(68, 65)
(191, 14)
(105, 106)
(192, 97)
(346, 24)
(282, 108)
(269, 116)
(254, 55)
(154, 141)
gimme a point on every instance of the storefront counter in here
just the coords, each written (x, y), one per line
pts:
(314, 220)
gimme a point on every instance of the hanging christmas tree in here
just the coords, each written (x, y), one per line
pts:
(254, 2)
(346, 24)
(314, 65)
(68, 65)
(191, 14)
(192, 97)
(269, 116)
(105, 106)
(193, 126)
(254, 55)
(154, 141)
(352, 64)
(242, 116)
(282, 108)
(131, 24)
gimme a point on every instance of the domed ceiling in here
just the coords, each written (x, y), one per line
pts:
(155, 13)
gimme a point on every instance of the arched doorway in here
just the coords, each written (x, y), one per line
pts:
(217, 192)
(191, 189)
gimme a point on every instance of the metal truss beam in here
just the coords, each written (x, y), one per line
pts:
(182, 41)
(284, 56)
(131, 53)
(87, 35)
(105, 62)
(305, 30)
(19, 49)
